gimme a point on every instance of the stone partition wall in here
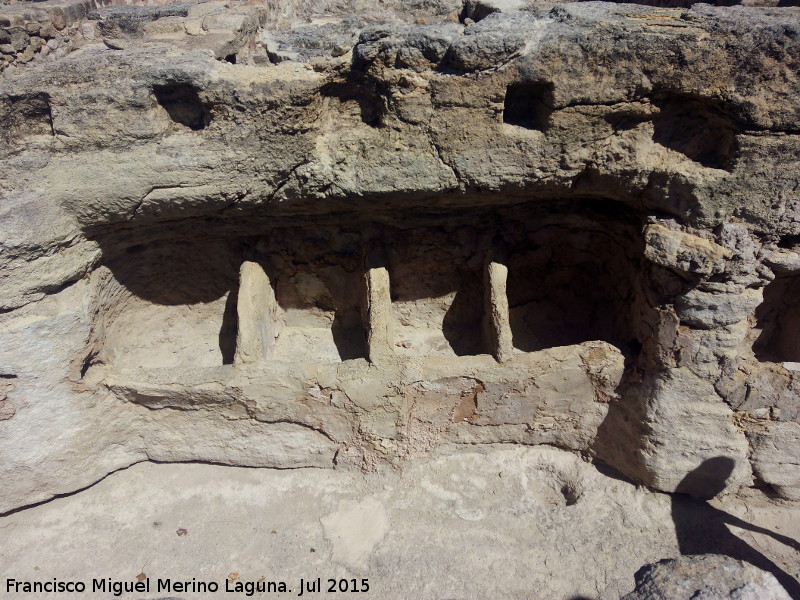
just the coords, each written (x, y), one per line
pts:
(300, 234)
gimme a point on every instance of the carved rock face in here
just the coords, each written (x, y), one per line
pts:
(346, 241)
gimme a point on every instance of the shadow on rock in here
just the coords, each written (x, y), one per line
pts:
(703, 529)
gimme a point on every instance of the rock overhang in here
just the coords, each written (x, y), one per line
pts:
(576, 145)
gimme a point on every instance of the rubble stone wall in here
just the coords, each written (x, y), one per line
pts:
(339, 235)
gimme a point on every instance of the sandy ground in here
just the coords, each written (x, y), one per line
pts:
(478, 522)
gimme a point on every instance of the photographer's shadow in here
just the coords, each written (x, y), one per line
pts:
(702, 529)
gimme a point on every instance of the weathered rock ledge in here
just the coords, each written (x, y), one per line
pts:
(292, 235)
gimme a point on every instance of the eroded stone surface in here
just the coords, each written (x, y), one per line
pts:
(463, 523)
(302, 235)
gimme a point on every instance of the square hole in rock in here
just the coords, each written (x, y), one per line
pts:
(698, 129)
(317, 276)
(437, 291)
(183, 104)
(528, 105)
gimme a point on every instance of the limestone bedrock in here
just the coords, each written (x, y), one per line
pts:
(303, 235)
(470, 523)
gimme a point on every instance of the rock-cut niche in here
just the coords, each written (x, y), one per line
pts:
(168, 304)
(301, 291)
(26, 117)
(574, 280)
(698, 129)
(528, 105)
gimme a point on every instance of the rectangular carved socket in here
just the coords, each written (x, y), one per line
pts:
(316, 279)
(698, 129)
(528, 105)
(26, 117)
(183, 105)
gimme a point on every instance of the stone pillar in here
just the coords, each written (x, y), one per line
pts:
(257, 310)
(380, 338)
(496, 325)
